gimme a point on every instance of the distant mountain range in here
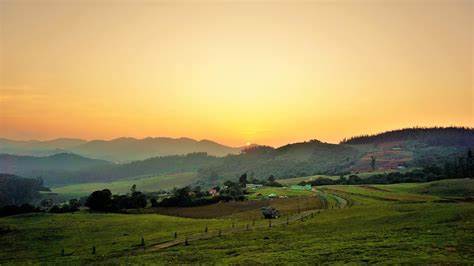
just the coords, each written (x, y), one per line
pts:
(117, 150)
(413, 147)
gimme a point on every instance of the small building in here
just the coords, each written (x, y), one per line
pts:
(298, 187)
(213, 192)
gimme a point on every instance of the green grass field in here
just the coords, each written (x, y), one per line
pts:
(145, 184)
(278, 191)
(394, 224)
(40, 237)
(297, 180)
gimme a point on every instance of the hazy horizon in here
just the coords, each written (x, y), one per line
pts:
(234, 73)
(207, 139)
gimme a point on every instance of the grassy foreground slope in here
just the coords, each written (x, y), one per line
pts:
(418, 233)
(456, 188)
(380, 228)
(382, 224)
(41, 237)
(144, 183)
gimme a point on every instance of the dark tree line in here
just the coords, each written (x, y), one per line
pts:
(269, 182)
(103, 200)
(187, 196)
(436, 136)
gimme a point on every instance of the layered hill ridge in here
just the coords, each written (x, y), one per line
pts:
(123, 149)
(391, 150)
(59, 165)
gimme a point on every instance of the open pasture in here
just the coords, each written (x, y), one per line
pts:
(41, 237)
(144, 183)
(351, 224)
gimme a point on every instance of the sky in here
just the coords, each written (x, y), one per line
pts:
(236, 72)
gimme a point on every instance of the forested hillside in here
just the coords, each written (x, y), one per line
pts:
(298, 159)
(64, 169)
(436, 136)
(58, 166)
(153, 166)
(15, 190)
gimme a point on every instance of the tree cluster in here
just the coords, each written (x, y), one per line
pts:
(103, 200)
(188, 197)
(72, 206)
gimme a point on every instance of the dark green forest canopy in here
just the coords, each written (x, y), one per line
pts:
(436, 136)
(15, 190)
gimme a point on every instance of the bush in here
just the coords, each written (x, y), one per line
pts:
(270, 213)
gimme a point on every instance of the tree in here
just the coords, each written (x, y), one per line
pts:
(270, 213)
(74, 204)
(100, 200)
(232, 191)
(271, 179)
(243, 180)
(154, 202)
(138, 200)
(46, 203)
(372, 162)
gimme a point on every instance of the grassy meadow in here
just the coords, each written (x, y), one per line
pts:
(122, 186)
(297, 180)
(420, 223)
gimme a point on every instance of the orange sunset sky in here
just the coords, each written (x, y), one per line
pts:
(268, 72)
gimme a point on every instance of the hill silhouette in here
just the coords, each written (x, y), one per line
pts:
(413, 147)
(131, 149)
(117, 150)
(435, 136)
(57, 166)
